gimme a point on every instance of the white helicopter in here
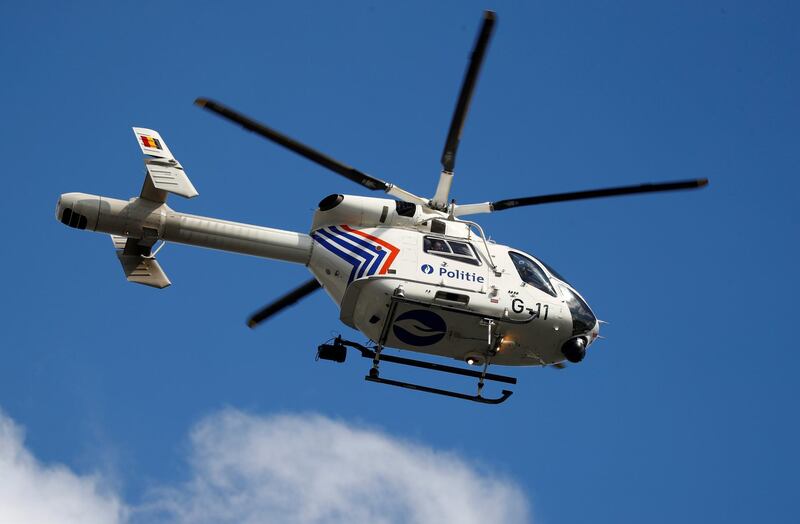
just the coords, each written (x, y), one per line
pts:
(409, 273)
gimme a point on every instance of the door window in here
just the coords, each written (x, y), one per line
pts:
(530, 272)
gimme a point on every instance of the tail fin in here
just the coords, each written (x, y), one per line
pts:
(164, 173)
(137, 264)
(152, 144)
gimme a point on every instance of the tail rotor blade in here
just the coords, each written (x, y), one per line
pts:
(283, 302)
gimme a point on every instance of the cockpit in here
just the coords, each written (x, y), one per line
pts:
(583, 320)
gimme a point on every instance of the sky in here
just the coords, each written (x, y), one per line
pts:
(121, 403)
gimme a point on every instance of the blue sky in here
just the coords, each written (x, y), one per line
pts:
(686, 411)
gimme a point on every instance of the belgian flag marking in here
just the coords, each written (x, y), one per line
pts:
(152, 143)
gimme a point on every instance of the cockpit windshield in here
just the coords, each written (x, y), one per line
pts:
(530, 273)
(553, 271)
(583, 320)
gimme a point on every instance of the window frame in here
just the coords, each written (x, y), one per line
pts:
(473, 260)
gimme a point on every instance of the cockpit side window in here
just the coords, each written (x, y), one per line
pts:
(531, 273)
(435, 245)
(461, 248)
(461, 251)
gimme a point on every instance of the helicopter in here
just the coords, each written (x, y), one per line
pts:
(409, 273)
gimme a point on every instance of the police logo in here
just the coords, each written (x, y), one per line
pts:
(427, 269)
(419, 327)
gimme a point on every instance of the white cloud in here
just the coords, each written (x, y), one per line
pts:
(308, 468)
(289, 468)
(33, 493)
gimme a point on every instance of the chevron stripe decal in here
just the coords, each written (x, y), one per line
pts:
(368, 255)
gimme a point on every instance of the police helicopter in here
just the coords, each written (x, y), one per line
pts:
(410, 273)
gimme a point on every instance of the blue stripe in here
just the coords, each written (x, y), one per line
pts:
(381, 254)
(341, 254)
(378, 255)
(368, 257)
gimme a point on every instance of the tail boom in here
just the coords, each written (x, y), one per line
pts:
(149, 221)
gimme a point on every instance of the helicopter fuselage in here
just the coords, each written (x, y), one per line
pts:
(412, 278)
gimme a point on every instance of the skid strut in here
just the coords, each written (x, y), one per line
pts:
(374, 375)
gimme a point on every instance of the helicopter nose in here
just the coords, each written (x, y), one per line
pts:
(595, 332)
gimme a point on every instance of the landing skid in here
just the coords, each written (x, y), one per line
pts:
(447, 393)
(374, 375)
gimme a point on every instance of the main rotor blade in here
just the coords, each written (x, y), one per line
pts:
(462, 106)
(283, 302)
(301, 149)
(597, 193)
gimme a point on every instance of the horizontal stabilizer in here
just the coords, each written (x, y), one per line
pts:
(170, 178)
(164, 173)
(137, 266)
(119, 242)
